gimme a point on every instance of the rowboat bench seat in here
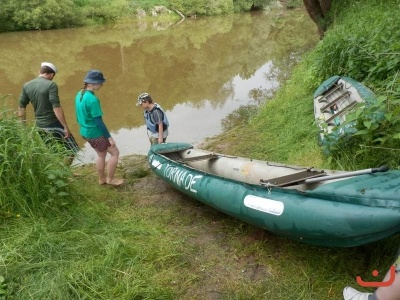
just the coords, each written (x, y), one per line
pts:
(326, 94)
(326, 107)
(196, 158)
(292, 179)
(341, 111)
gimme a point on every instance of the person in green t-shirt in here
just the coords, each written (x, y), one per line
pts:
(92, 128)
(42, 93)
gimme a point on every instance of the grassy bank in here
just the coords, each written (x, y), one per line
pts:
(360, 45)
(147, 241)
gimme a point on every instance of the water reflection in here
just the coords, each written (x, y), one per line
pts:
(199, 71)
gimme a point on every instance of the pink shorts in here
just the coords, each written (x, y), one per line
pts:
(101, 144)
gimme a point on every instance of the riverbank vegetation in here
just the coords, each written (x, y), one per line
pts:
(146, 241)
(363, 45)
(50, 14)
(33, 180)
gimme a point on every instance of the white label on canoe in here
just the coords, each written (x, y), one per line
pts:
(268, 206)
(155, 163)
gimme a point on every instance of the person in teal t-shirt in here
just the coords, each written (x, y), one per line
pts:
(92, 128)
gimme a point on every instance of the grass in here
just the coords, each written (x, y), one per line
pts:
(147, 241)
(29, 171)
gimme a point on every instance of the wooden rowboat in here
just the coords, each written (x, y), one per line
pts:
(333, 99)
(326, 208)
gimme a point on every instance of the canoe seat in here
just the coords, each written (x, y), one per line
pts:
(328, 105)
(293, 179)
(330, 92)
(341, 111)
(196, 158)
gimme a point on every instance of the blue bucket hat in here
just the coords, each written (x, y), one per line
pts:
(94, 77)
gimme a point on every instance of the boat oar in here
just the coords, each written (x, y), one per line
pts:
(349, 174)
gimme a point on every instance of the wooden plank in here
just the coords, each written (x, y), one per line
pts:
(328, 105)
(341, 111)
(330, 91)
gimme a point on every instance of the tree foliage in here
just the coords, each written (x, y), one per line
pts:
(33, 14)
(52, 14)
(215, 7)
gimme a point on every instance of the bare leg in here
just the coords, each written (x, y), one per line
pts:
(391, 292)
(112, 165)
(100, 166)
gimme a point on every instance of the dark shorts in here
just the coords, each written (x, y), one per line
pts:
(57, 132)
(101, 144)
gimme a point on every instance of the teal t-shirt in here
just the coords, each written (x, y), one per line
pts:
(86, 110)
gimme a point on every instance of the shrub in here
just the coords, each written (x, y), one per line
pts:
(47, 14)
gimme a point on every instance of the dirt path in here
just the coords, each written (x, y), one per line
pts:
(217, 242)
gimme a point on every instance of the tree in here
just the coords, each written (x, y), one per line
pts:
(318, 11)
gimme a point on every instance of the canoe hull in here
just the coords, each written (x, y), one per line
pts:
(302, 216)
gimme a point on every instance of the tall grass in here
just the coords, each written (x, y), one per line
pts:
(33, 177)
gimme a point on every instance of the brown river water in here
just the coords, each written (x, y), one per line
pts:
(199, 70)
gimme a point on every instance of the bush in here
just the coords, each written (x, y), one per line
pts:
(47, 14)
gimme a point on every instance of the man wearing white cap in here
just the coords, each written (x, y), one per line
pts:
(42, 92)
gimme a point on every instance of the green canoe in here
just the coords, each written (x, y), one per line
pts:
(326, 208)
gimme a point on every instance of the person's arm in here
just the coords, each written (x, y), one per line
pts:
(59, 112)
(23, 102)
(22, 114)
(158, 119)
(160, 132)
(103, 128)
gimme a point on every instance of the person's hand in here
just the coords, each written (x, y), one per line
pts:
(67, 134)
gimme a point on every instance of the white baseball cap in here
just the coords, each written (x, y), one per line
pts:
(50, 65)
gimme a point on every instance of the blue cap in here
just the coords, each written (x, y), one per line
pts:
(94, 76)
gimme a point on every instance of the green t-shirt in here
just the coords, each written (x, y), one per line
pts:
(86, 110)
(43, 94)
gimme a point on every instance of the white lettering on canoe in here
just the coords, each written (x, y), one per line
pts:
(182, 178)
(268, 206)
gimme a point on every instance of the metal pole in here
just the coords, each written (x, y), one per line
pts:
(349, 174)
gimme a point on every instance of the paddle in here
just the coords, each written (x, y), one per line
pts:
(349, 174)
